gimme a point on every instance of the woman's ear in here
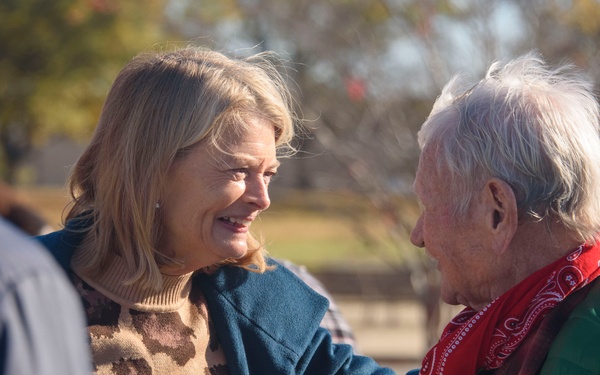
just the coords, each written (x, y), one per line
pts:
(501, 213)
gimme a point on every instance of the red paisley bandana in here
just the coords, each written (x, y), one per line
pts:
(483, 340)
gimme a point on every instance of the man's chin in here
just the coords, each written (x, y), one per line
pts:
(451, 298)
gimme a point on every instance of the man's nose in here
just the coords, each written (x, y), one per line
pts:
(416, 236)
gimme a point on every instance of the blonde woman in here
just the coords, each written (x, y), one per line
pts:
(157, 240)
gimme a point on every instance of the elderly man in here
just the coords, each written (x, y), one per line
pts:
(509, 181)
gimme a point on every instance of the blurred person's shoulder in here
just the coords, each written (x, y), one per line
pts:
(20, 255)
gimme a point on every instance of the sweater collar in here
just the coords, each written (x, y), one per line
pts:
(174, 292)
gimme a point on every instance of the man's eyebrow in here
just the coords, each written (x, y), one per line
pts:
(418, 190)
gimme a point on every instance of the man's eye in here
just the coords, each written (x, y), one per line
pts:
(269, 176)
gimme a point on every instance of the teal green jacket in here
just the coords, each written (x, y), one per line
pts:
(576, 349)
(267, 323)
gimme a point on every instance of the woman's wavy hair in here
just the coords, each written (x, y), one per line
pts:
(162, 105)
(532, 126)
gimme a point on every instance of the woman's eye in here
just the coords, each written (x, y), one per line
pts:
(243, 173)
(239, 173)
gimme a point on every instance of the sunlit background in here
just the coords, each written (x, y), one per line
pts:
(364, 75)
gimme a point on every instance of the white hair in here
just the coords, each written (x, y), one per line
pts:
(532, 126)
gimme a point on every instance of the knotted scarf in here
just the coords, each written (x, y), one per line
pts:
(475, 340)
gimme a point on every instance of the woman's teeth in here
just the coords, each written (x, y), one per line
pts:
(234, 220)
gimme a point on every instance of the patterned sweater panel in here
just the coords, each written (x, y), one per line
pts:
(129, 341)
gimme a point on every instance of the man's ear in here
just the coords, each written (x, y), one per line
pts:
(501, 213)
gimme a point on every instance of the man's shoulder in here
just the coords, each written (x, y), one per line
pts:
(589, 308)
(577, 344)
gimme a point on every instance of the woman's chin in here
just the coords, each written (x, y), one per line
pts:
(233, 251)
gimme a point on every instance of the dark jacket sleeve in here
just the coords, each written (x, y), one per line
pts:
(324, 357)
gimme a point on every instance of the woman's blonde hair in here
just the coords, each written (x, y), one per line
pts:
(161, 106)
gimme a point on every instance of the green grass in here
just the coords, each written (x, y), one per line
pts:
(314, 238)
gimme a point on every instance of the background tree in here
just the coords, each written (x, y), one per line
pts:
(57, 60)
(563, 30)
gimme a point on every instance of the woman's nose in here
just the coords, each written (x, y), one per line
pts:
(258, 193)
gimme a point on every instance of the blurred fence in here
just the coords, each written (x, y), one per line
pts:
(371, 284)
